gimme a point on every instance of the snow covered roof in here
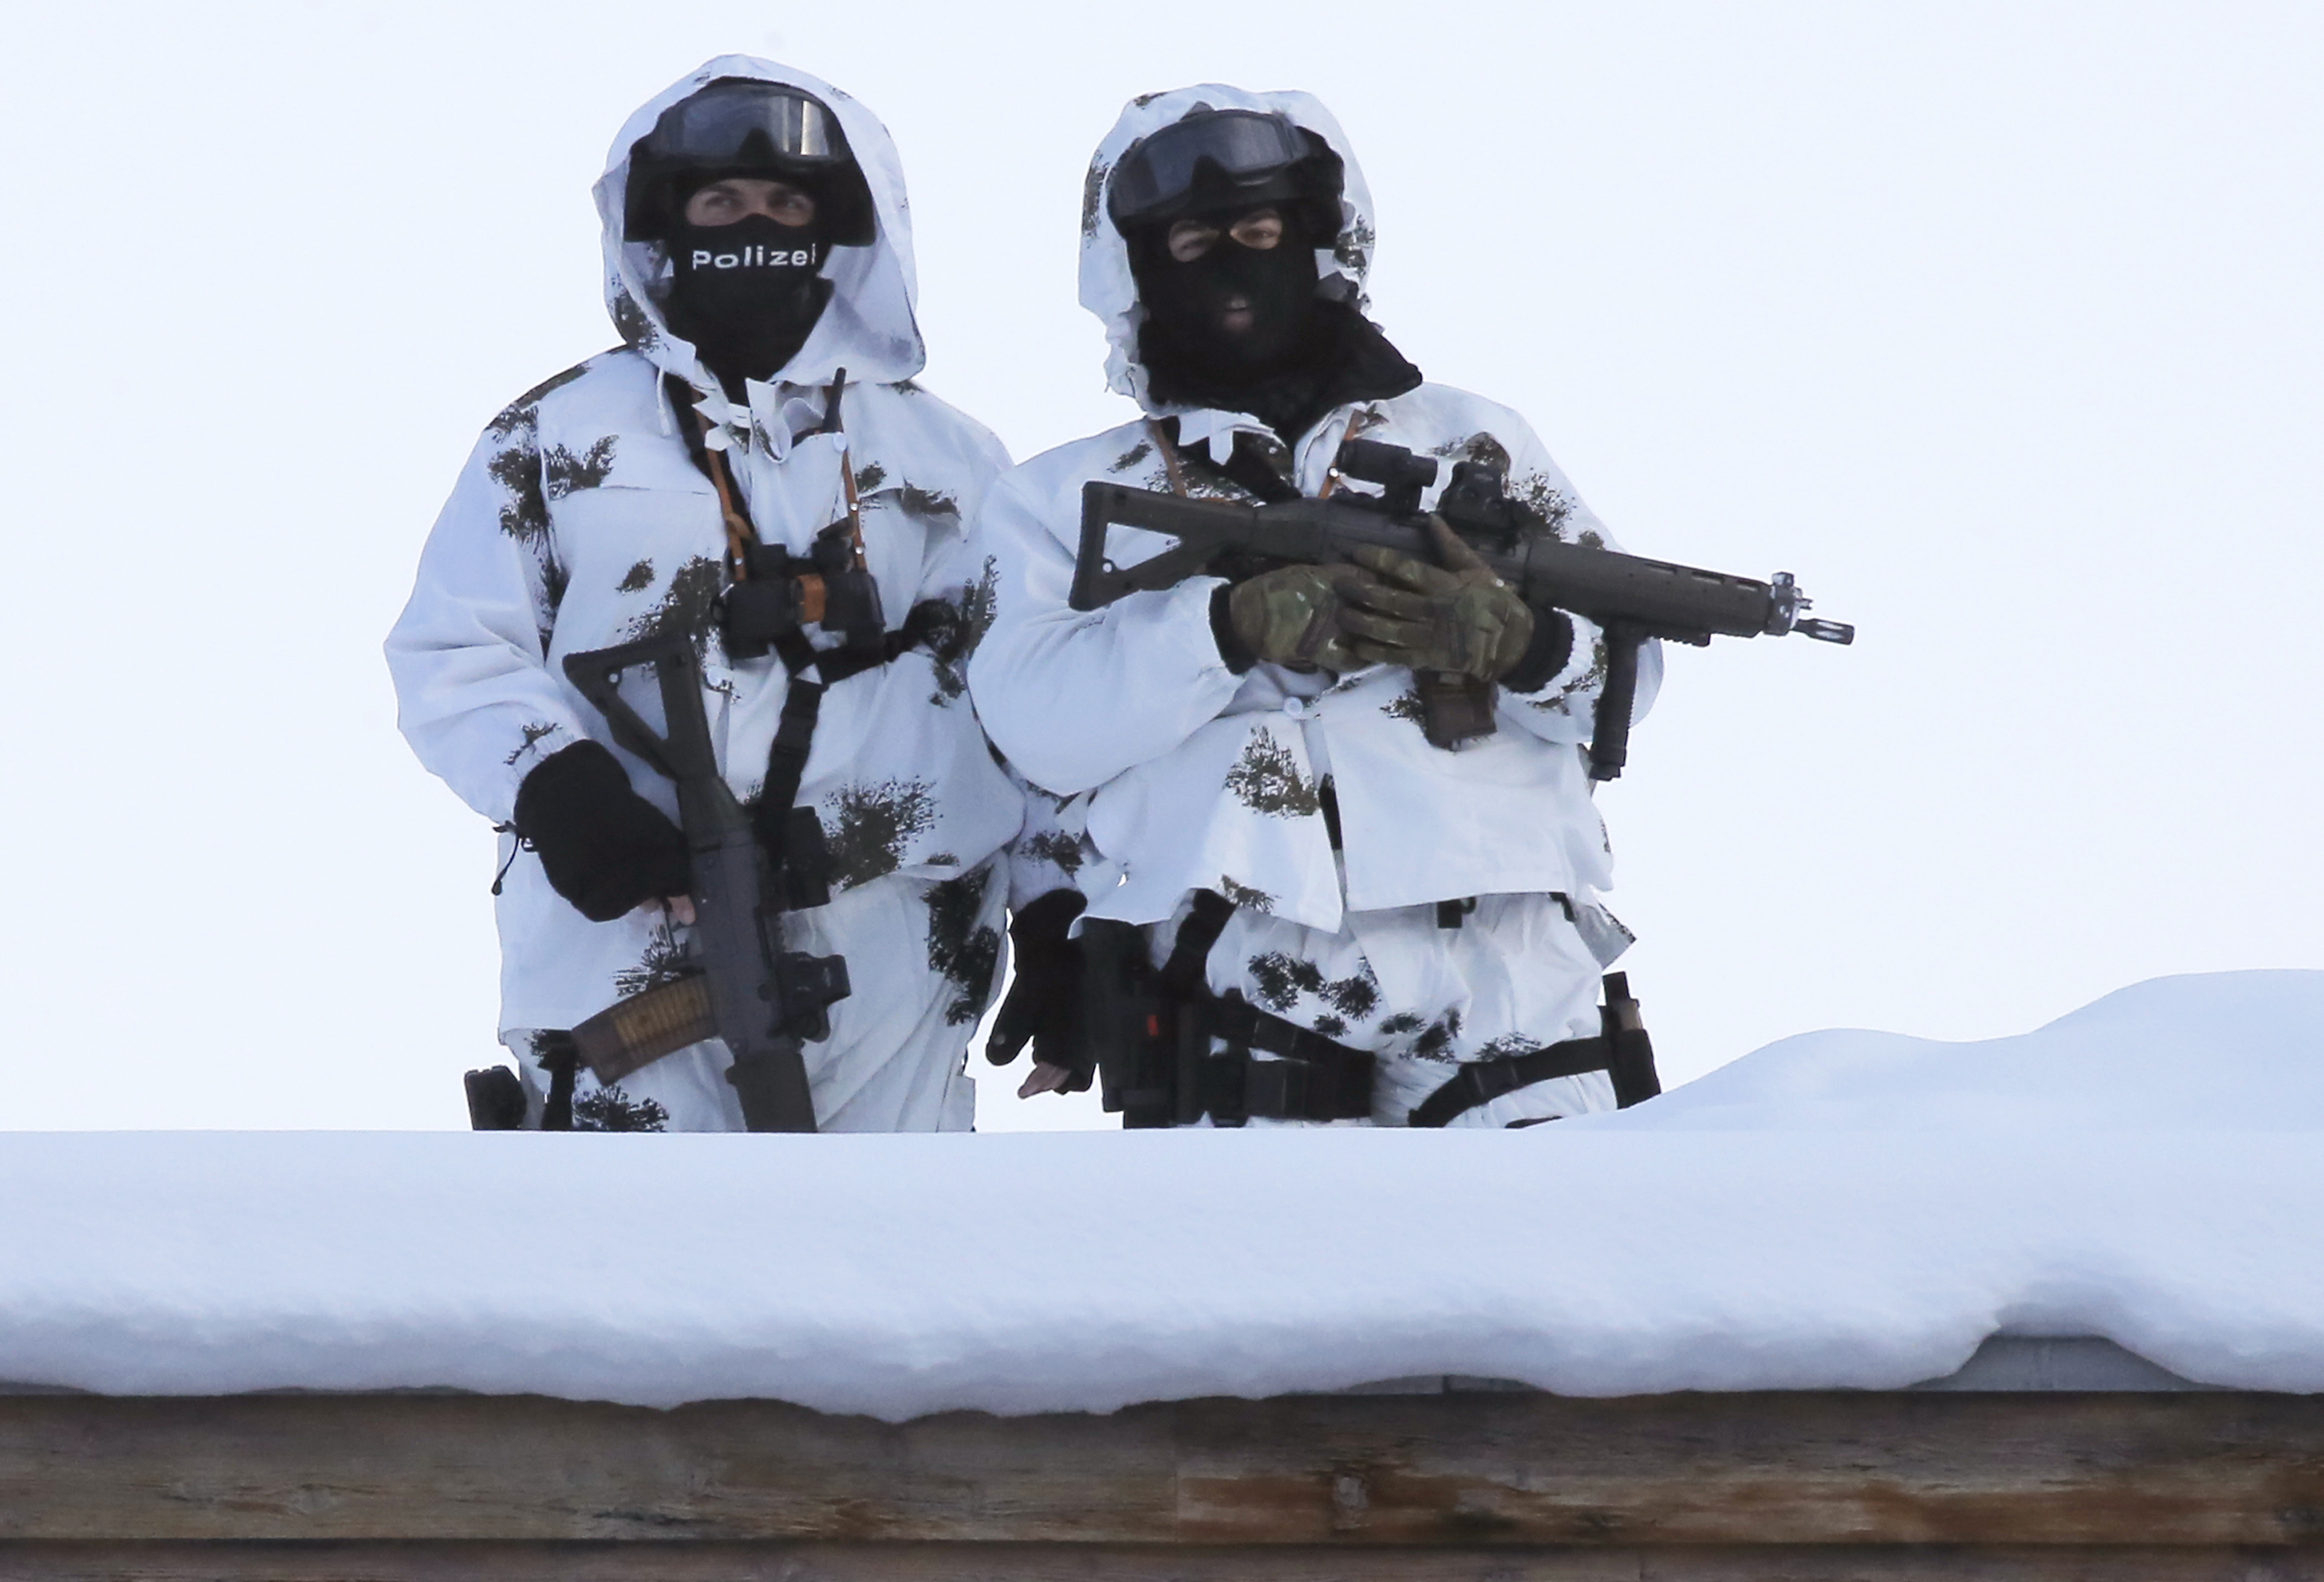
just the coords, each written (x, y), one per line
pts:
(1840, 1210)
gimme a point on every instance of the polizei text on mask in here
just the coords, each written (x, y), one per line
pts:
(755, 257)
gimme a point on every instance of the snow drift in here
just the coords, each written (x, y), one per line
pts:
(1837, 1209)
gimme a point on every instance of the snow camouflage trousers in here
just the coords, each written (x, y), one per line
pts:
(1518, 974)
(924, 959)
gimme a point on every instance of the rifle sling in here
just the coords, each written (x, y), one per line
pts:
(803, 705)
(1246, 466)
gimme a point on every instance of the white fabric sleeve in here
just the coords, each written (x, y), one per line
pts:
(1051, 847)
(473, 694)
(992, 464)
(1075, 697)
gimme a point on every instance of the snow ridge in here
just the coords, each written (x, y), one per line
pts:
(1842, 1209)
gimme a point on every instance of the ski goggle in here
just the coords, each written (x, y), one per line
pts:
(735, 121)
(1161, 169)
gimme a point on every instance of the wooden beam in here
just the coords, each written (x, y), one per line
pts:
(479, 1466)
(724, 1562)
(2186, 1470)
(1807, 1467)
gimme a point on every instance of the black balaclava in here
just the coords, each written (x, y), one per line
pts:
(746, 294)
(1186, 301)
(1303, 354)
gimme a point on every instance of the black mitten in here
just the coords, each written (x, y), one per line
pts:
(603, 847)
(1039, 1008)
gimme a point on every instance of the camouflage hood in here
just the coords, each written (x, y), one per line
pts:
(869, 328)
(1107, 288)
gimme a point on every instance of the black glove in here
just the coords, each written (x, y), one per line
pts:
(1039, 1008)
(603, 847)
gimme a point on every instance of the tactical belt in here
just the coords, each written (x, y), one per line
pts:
(1316, 1078)
(1481, 1082)
(1159, 1025)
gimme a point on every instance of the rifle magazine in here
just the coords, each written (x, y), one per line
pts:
(636, 1032)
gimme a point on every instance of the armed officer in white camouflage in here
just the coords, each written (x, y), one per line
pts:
(754, 449)
(1327, 847)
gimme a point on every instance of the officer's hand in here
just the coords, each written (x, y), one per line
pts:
(603, 847)
(1044, 1077)
(1458, 617)
(1292, 616)
(1039, 1008)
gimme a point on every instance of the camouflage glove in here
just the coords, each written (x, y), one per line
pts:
(1458, 618)
(1294, 616)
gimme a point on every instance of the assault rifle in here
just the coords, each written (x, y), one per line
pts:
(736, 982)
(1630, 599)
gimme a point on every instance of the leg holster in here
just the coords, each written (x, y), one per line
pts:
(1621, 1049)
(1152, 1034)
(1124, 1023)
(1310, 1078)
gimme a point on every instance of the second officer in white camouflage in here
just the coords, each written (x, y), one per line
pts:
(1243, 767)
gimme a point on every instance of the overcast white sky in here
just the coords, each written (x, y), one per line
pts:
(1998, 324)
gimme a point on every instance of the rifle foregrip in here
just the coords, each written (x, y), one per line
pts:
(1618, 699)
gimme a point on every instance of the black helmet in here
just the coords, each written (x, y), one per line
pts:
(742, 126)
(1225, 159)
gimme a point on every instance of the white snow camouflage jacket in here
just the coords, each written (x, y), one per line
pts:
(1184, 775)
(581, 521)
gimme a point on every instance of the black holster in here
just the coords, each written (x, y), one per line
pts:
(1151, 1038)
(1128, 1025)
(496, 1100)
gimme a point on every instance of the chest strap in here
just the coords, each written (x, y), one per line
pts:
(792, 837)
(781, 829)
